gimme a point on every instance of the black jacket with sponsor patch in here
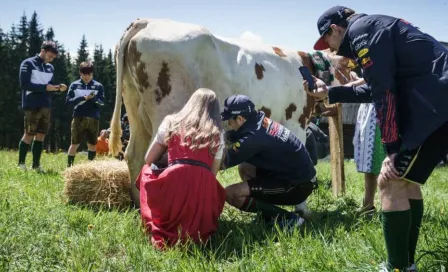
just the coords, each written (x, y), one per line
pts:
(349, 94)
(34, 76)
(268, 145)
(85, 108)
(407, 72)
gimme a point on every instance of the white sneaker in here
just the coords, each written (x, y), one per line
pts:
(303, 210)
(383, 268)
(22, 167)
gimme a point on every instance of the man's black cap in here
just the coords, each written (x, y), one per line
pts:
(331, 16)
(237, 105)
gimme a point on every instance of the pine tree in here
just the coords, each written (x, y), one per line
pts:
(83, 53)
(13, 125)
(110, 71)
(65, 135)
(49, 35)
(69, 64)
(98, 61)
(23, 36)
(100, 74)
(109, 89)
(35, 35)
(60, 129)
(4, 52)
(13, 37)
(2, 39)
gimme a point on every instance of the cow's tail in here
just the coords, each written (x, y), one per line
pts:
(115, 144)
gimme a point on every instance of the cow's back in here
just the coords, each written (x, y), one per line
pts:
(169, 60)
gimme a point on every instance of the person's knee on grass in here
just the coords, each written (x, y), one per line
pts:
(236, 194)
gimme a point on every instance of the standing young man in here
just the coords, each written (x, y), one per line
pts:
(406, 71)
(36, 81)
(87, 96)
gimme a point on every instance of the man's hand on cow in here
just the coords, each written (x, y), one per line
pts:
(321, 90)
(388, 170)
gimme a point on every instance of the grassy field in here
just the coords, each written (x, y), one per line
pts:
(39, 232)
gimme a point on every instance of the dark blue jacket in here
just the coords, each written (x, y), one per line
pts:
(82, 108)
(407, 72)
(34, 76)
(270, 146)
(353, 94)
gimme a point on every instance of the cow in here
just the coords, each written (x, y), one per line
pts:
(161, 62)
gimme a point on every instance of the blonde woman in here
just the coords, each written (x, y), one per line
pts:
(185, 200)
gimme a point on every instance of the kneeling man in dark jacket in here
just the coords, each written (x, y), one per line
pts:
(274, 164)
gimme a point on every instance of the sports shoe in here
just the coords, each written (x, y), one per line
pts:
(289, 224)
(22, 167)
(260, 220)
(384, 268)
(364, 211)
(39, 169)
(303, 210)
(412, 268)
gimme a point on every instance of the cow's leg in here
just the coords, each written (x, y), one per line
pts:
(139, 140)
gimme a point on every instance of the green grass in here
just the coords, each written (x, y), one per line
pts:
(39, 232)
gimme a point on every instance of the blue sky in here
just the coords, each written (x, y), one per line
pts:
(287, 23)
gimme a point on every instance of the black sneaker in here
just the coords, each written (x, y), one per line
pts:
(366, 211)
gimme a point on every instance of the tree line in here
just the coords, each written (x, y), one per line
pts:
(23, 41)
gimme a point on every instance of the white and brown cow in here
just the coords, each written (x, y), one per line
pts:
(160, 63)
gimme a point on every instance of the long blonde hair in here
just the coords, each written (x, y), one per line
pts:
(198, 123)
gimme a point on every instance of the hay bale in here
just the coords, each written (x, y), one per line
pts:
(98, 183)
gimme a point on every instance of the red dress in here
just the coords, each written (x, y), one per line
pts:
(184, 199)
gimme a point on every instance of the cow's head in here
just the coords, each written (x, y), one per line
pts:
(341, 67)
(334, 70)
